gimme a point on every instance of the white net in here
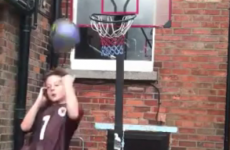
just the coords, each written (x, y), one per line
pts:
(112, 32)
(106, 26)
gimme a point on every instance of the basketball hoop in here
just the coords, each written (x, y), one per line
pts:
(112, 29)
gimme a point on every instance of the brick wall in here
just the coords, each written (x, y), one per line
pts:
(9, 40)
(191, 60)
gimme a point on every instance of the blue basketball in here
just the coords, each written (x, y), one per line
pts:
(64, 35)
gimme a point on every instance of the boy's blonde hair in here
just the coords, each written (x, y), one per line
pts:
(58, 72)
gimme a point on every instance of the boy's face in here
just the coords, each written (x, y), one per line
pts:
(55, 89)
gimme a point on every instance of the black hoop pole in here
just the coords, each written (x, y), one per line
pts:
(118, 128)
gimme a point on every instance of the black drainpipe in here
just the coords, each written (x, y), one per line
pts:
(23, 62)
(227, 105)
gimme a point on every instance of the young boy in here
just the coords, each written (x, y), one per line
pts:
(55, 115)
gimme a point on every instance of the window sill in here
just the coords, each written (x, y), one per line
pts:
(110, 75)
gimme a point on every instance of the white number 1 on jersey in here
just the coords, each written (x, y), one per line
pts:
(45, 120)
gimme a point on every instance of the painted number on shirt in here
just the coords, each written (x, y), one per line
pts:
(45, 120)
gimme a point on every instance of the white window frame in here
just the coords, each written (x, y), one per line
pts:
(109, 65)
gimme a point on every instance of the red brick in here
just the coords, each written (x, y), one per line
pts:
(195, 104)
(181, 58)
(218, 32)
(165, 71)
(198, 18)
(143, 122)
(128, 108)
(182, 31)
(107, 107)
(217, 73)
(201, 31)
(187, 143)
(163, 58)
(91, 144)
(101, 87)
(135, 89)
(171, 104)
(190, 65)
(188, 78)
(200, 59)
(207, 92)
(134, 102)
(179, 111)
(182, 18)
(187, 130)
(84, 100)
(191, 25)
(209, 39)
(214, 138)
(219, 86)
(174, 143)
(219, 119)
(179, 136)
(177, 11)
(166, 38)
(173, 84)
(197, 137)
(128, 95)
(134, 115)
(170, 90)
(206, 144)
(216, 112)
(180, 71)
(130, 121)
(97, 138)
(190, 38)
(220, 18)
(219, 145)
(212, 12)
(149, 116)
(210, 25)
(216, 99)
(222, 92)
(176, 24)
(222, 53)
(141, 109)
(221, 46)
(205, 118)
(209, 66)
(221, 106)
(200, 72)
(103, 94)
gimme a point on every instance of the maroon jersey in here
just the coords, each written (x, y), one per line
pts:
(53, 129)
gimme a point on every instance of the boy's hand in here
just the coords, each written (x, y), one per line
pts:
(68, 79)
(41, 99)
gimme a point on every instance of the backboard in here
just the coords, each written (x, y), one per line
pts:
(150, 13)
(140, 38)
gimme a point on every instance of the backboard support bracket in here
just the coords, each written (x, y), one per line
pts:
(168, 24)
